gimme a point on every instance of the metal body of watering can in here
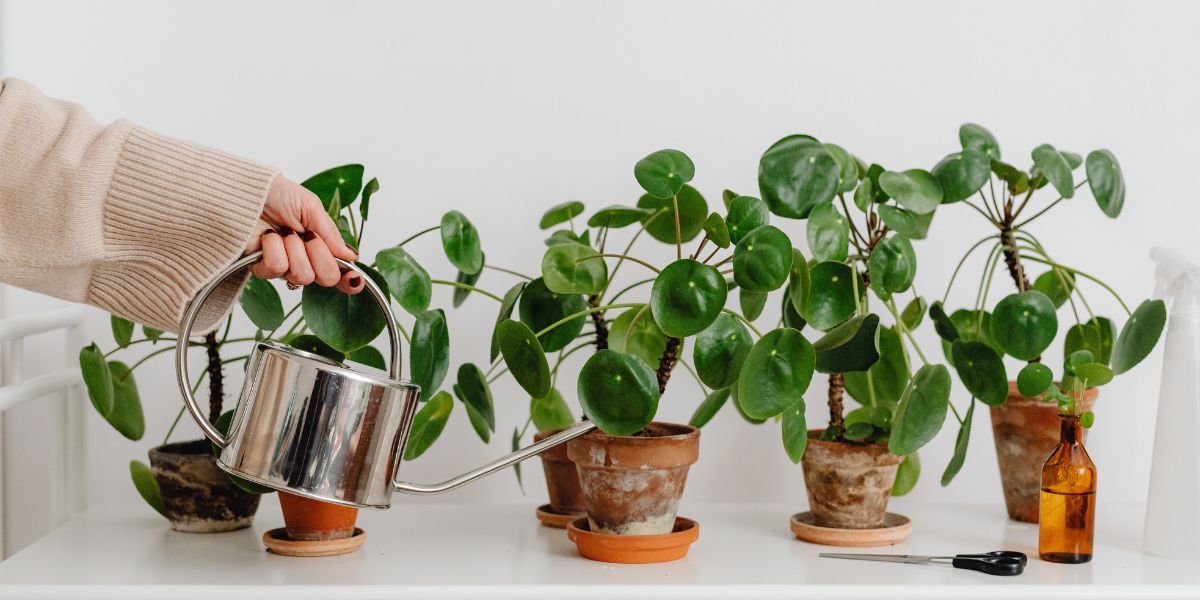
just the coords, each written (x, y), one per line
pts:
(311, 426)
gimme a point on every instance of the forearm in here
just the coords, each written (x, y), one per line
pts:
(118, 216)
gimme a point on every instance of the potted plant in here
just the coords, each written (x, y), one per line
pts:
(633, 469)
(863, 259)
(324, 321)
(1025, 323)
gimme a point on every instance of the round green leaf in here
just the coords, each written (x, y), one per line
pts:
(914, 313)
(368, 191)
(147, 486)
(971, 326)
(566, 236)
(1096, 335)
(847, 168)
(370, 356)
(524, 357)
(541, 308)
(892, 266)
(151, 333)
(617, 216)
(795, 432)
(261, 302)
(619, 392)
(720, 351)
(796, 174)
(897, 219)
(831, 295)
(915, 190)
(477, 421)
(428, 424)
(460, 241)
(828, 233)
(97, 378)
(922, 410)
(907, 475)
(1056, 286)
(550, 412)
(429, 354)
(1024, 324)
(126, 414)
(962, 174)
(312, 343)
(663, 173)
(775, 374)
(574, 269)
(343, 321)
(746, 213)
(709, 407)
(122, 329)
(851, 346)
(1139, 335)
(889, 375)
(1106, 181)
(693, 210)
(461, 293)
(561, 214)
(960, 447)
(717, 232)
(1033, 379)
(942, 324)
(638, 335)
(762, 260)
(687, 297)
(1016, 179)
(976, 137)
(473, 390)
(1093, 374)
(752, 303)
(506, 307)
(1054, 166)
(1087, 419)
(408, 281)
(346, 181)
(799, 284)
(981, 371)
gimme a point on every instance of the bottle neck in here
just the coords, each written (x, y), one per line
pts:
(1070, 432)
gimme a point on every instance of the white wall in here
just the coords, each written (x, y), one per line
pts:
(502, 109)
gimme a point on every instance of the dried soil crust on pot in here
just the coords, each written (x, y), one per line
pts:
(562, 480)
(198, 496)
(1026, 431)
(632, 485)
(848, 484)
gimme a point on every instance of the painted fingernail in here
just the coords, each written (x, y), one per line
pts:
(355, 281)
(308, 236)
(284, 231)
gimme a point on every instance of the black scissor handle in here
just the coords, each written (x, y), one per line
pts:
(992, 565)
(1013, 554)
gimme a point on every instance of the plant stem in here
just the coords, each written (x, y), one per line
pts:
(837, 390)
(216, 379)
(1012, 259)
(601, 329)
(146, 358)
(509, 271)
(286, 316)
(622, 257)
(891, 306)
(946, 296)
(666, 364)
(459, 284)
(743, 319)
(141, 341)
(633, 322)
(630, 287)
(419, 234)
(613, 274)
(583, 313)
(1086, 276)
(678, 235)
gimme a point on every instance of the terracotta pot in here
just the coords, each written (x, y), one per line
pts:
(848, 484)
(1025, 431)
(632, 485)
(562, 480)
(313, 520)
(198, 496)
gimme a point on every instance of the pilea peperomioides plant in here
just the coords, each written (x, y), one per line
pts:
(1025, 323)
(328, 323)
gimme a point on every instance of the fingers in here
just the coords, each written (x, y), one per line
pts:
(274, 261)
(314, 219)
(325, 269)
(299, 270)
(351, 283)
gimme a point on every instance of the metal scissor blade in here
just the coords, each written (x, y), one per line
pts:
(896, 558)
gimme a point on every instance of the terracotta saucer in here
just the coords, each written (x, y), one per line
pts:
(896, 528)
(552, 518)
(634, 549)
(278, 542)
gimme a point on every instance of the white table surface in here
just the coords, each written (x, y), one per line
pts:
(499, 551)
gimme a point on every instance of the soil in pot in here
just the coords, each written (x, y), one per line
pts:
(313, 520)
(848, 484)
(632, 485)
(562, 480)
(197, 495)
(1026, 431)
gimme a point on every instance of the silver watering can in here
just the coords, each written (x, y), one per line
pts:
(313, 427)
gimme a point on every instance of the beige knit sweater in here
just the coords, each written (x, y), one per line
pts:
(118, 216)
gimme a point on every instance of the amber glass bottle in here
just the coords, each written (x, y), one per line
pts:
(1068, 503)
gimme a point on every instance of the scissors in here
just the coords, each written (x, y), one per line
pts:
(998, 562)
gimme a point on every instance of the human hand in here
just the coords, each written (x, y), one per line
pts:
(299, 241)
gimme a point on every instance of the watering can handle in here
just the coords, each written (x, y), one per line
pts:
(193, 309)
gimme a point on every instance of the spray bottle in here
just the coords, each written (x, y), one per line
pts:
(1173, 506)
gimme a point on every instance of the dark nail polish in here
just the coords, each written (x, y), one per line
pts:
(355, 281)
(308, 236)
(284, 231)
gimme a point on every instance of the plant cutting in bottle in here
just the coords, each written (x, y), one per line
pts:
(1024, 324)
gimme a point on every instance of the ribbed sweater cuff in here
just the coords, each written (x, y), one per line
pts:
(176, 214)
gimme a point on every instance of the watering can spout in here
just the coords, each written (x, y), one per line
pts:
(499, 464)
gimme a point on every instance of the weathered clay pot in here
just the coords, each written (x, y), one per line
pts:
(848, 484)
(310, 520)
(632, 485)
(1025, 431)
(197, 495)
(562, 480)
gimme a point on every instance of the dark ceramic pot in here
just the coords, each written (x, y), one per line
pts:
(197, 495)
